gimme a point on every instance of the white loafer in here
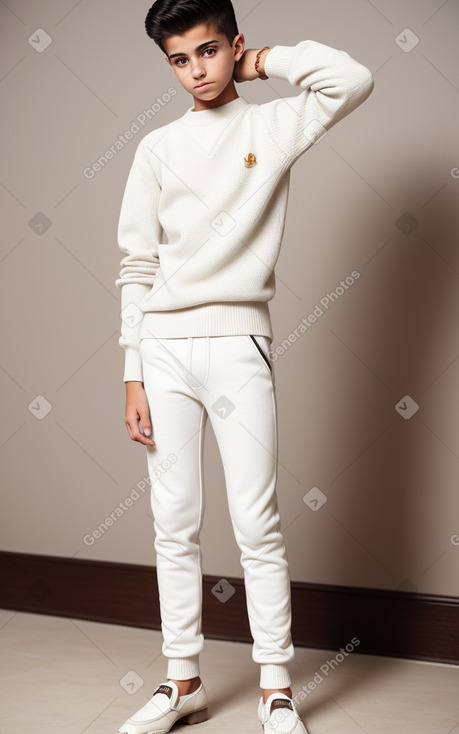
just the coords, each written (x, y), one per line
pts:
(279, 715)
(165, 707)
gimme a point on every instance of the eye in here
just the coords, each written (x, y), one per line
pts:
(210, 49)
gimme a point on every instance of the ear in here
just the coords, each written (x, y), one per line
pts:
(166, 58)
(238, 46)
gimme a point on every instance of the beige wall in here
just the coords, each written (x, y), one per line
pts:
(390, 520)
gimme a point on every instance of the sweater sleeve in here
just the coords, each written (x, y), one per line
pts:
(139, 233)
(333, 85)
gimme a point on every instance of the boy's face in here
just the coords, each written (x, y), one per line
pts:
(203, 62)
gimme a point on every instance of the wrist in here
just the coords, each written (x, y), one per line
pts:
(260, 62)
(245, 69)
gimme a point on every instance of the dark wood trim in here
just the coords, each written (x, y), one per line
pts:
(391, 623)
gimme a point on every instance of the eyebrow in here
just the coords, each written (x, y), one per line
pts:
(198, 48)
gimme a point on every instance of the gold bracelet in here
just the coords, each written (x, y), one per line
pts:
(257, 63)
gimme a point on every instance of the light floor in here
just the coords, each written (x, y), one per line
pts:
(68, 675)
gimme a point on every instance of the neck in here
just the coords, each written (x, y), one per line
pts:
(228, 94)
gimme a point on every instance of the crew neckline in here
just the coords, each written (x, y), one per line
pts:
(223, 112)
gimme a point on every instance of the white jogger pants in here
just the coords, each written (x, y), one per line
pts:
(230, 380)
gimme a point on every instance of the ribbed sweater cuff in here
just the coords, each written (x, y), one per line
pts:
(132, 365)
(278, 61)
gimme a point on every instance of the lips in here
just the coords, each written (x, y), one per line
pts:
(202, 86)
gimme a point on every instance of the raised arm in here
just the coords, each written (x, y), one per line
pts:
(333, 85)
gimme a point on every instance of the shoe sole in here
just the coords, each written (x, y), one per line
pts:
(194, 717)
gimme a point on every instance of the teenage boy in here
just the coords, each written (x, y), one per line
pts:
(196, 326)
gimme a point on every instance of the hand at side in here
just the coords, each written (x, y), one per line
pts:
(137, 409)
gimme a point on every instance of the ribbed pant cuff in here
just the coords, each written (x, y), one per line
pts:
(274, 676)
(183, 668)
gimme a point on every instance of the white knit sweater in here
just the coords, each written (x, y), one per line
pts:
(204, 208)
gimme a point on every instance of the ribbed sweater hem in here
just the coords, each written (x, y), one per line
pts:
(209, 319)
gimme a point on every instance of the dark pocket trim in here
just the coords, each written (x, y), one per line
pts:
(261, 352)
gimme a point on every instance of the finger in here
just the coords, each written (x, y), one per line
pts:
(146, 428)
(129, 423)
(146, 422)
(132, 425)
(135, 433)
(146, 441)
(143, 436)
(140, 438)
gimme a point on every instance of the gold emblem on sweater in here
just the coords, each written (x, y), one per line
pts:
(250, 161)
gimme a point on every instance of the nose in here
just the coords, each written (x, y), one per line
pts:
(198, 69)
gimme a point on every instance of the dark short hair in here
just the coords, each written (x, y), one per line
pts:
(174, 17)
